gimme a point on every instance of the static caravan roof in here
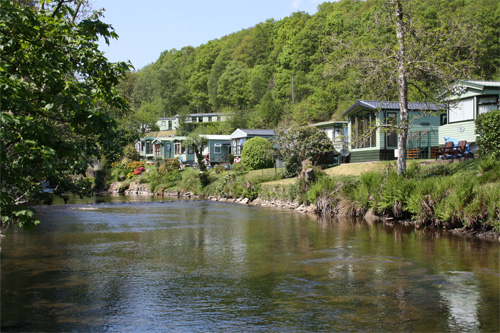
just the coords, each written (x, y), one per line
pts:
(329, 123)
(386, 105)
(216, 137)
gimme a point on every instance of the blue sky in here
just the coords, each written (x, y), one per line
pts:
(149, 27)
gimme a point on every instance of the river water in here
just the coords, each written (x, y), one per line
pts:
(191, 266)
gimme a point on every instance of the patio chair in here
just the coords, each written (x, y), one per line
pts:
(460, 150)
(447, 150)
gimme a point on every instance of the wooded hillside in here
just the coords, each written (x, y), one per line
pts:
(281, 71)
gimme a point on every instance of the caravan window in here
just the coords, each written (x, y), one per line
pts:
(462, 110)
(486, 104)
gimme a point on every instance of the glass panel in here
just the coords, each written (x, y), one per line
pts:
(462, 110)
(486, 108)
(487, 100)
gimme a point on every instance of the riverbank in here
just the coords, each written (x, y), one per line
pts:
(463, 196)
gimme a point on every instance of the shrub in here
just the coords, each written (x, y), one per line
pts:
(258, 153)
(130, 153)
(230, 158)
(204, 178)
(220, 169)
(238, 167)
(300, 143)
(488, 131)
(172, 164)
(135, 164)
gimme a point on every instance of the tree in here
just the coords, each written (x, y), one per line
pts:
(427, 54)
(258, 153)
(488, 134)
(198, 143)
(298, 144)
(57, 91)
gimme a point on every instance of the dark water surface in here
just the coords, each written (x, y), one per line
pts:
(190, 266)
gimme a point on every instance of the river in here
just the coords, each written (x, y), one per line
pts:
(201, 266)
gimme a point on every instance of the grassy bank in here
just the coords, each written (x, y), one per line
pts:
(448, 195)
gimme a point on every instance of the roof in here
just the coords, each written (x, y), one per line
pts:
(480, 84)
(386, 105)
(243, 133)
(161, 134)
(217, 137)
(257, 131)
(329, 123)
(201, 114)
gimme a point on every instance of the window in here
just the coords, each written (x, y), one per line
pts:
(487, 104)
(217, 148)
(239, 146)
(194, 119)
(218, 118)
(149, 148)
(443, 119)
(392, 135)
(462, 110)
(177, 148)
(163, 123)
(200, 119)
(170, 124)
(157, 150)
(364, 130)
(338, 134)
(138, 147)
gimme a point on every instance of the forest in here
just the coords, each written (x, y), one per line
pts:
(299, 70)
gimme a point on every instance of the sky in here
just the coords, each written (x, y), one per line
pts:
(146, 28)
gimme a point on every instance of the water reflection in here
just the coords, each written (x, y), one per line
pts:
(204, 266)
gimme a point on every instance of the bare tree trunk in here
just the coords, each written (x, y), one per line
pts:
(402, 88)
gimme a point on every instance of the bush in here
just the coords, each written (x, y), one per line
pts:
(258, 153)
(130, 153)
(488, 131)
(230, 158)
(300, 143)
(204, 178)
(135, 164)
(172, 164)
(220, 169)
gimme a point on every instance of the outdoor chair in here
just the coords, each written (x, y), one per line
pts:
(460, 150)
(447, 150)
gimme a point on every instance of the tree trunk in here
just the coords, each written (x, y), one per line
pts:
(402, 88)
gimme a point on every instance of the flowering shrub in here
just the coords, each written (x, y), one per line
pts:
(139, 170)
(298, 144)
(135, 164)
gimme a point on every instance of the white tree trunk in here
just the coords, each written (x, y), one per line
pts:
(402, 88)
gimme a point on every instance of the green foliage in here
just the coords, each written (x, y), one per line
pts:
(298, 144)
(131, 153)
(220, 169)
(135, 164)
(204, 178)
(488, 131)
(250, 72)
(230, 158)
(57, 92)
(198, 144)
(172, 164)
(258, 153)
(239, 167)
(368, 193)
